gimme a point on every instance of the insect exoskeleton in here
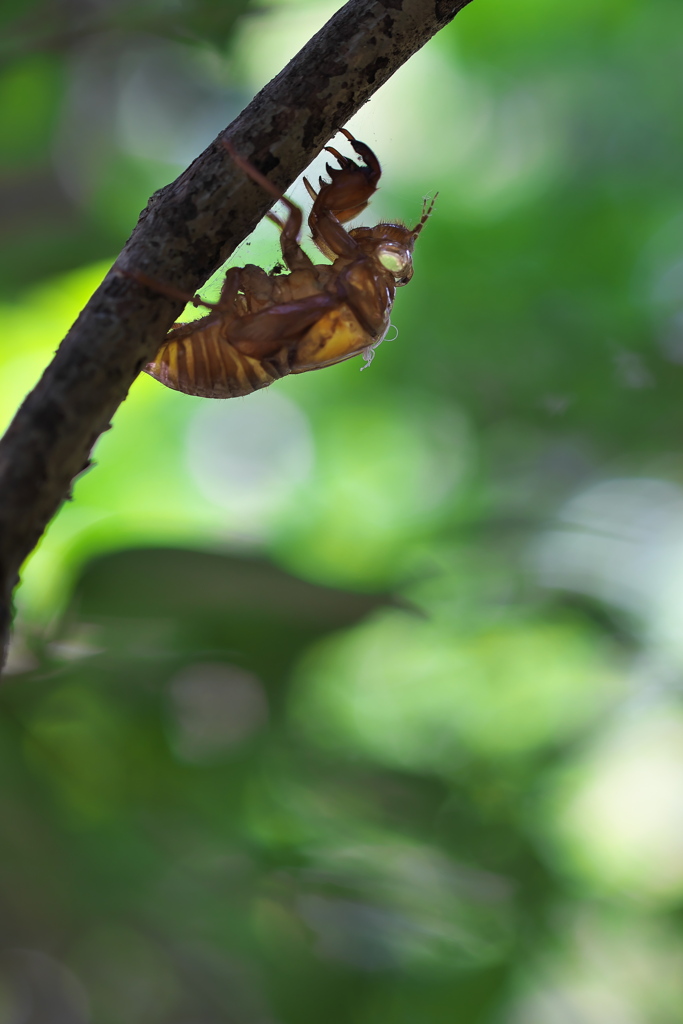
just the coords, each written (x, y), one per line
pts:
(267, 325)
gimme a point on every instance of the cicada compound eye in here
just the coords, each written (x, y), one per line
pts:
(397, 261)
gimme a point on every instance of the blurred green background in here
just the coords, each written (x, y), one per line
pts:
(359, 699)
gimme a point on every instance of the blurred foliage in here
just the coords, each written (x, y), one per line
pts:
(359, 699)
(77, 163)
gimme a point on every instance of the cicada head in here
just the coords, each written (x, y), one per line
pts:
(392, 244)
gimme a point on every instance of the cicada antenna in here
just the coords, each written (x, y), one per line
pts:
(426, 213)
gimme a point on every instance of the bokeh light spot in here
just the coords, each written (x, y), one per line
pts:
(215, 708)
(248, 456)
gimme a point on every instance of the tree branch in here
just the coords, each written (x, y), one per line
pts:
(187, 230)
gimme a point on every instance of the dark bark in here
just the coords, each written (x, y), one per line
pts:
(187, 230)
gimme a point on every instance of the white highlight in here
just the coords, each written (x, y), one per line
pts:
(369, 352)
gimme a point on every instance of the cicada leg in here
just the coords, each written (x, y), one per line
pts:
(343, 197)
(292, 253)
(227, 297)
(260, 335)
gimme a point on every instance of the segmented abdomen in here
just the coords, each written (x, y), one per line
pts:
(203, 363)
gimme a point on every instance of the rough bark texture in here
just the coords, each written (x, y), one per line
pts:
(187, 230)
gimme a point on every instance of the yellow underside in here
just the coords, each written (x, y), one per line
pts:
(335, 337)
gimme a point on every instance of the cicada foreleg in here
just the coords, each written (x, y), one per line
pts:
(343, 197)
